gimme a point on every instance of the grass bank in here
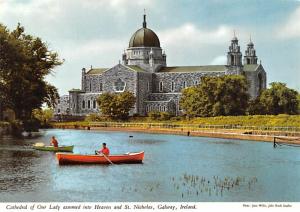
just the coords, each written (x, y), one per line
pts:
(280, 121)
(259, 128)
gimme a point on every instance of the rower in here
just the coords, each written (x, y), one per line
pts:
(54, 142)
(104, 150)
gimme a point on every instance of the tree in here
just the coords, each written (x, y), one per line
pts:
(298, 97)
(43, 115)
(216, 96)
(116, 105)
(25, 61)
(279, 99)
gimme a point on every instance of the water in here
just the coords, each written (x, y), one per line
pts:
(176, 168)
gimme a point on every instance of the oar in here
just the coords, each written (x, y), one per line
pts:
(106, 158)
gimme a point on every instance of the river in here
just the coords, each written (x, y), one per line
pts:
(175, 168)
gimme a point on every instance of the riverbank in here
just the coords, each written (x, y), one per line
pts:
(215, 131)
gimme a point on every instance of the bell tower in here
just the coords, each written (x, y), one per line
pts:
(250, 54)
(234, 55)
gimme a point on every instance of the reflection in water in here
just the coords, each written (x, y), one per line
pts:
(176, 168)
(17, 162)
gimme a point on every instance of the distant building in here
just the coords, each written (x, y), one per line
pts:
(62, 106)
(158, 87)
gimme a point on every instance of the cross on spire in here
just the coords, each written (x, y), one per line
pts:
(144, 23)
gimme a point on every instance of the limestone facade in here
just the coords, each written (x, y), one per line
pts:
(157, 87)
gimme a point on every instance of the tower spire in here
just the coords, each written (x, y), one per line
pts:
(144, 23)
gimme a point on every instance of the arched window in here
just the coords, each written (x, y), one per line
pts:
(100, 87)
(260, 82)
(83, 104)
(173, 86)
(94, 104)
(160, 86)
(232, 60)
(184, 84)
(90, 86)
(89, 103)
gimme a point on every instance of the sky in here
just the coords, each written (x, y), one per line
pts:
(95, 33)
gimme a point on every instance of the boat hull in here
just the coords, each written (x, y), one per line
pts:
(64, 159)
(55, 149)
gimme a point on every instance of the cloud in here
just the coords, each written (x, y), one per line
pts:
(291, 29)
(54, 9)
(190, 35)
(66, 18)
(219, 60)
(102, 49)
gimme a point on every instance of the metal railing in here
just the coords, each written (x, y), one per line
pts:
(194, 127)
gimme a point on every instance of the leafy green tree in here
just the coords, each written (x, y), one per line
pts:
(43, 115)
(154, 115)
(279, 99)
(25, 61)
(116, 105)
(255, 107)
(298, 97)
(216, 96)
(161, 116)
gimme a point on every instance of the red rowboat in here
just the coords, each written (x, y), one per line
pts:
(67, 158)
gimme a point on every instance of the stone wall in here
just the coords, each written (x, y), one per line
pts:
(161, 106)
(87, 103)
(162, 81)
(154, 91)
(96, 84)
(257, 81)
(144, 89)
(63, 105)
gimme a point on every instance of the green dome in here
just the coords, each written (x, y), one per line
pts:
(144, 37)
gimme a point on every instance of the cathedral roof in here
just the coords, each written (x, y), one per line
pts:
(250, 67)
(96, 70)
(74, 90)
(136, 68)
(144, 37)
(210, 68)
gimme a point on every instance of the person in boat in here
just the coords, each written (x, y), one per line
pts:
(54, 142)
(104, 150)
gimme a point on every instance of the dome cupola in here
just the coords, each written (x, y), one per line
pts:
(144, 37)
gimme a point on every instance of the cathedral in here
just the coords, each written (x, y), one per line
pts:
(157, 87)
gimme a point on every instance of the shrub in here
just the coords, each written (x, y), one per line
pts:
(154, 115)
(159, 116)
(164, 116)
(94, 117)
